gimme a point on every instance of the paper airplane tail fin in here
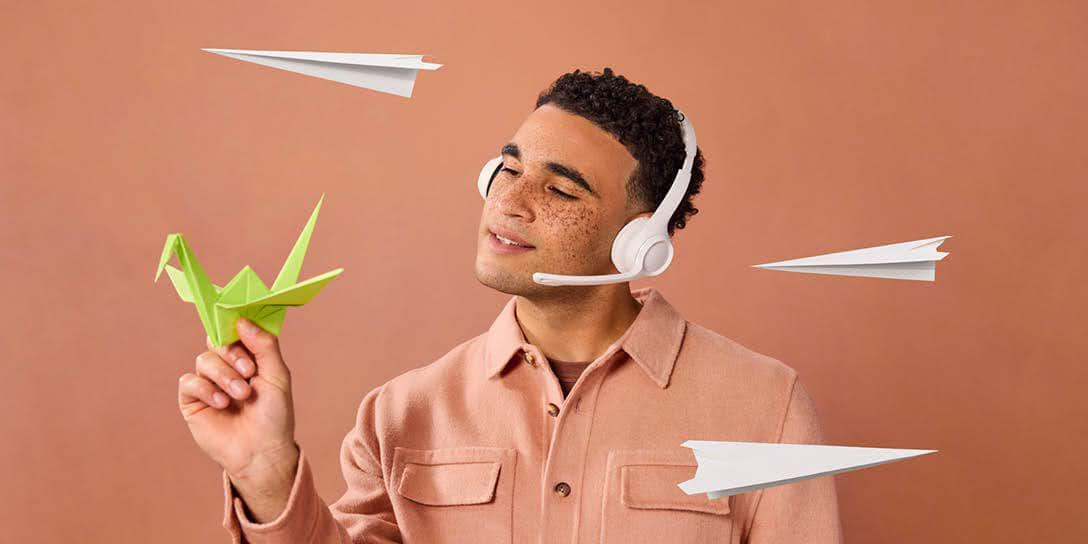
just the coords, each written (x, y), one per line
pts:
(293, 265)
(691, 486)
(929, 247)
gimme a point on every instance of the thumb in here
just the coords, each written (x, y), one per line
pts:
(264, 346)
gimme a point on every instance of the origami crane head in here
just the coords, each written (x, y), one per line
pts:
(245, 295)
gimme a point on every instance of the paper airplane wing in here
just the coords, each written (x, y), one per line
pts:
(296, 295)
(394, 74)
(730, 468)
(914, 260)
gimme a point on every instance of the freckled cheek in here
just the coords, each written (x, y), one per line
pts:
(574, 234)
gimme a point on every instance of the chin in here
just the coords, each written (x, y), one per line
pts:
(504, 280)
(497, 278)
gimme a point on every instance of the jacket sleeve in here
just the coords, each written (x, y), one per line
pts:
(362, 514)
(805, 511)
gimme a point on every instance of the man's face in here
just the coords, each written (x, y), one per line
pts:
(553, 153)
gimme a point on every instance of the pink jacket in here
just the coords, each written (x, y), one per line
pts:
(481, 446)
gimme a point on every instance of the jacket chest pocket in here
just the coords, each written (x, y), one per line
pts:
(454, 494)
(642, 502)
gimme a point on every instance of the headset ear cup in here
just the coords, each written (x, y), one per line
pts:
(659, 252)
(626, 245)
(487, 175)
(648, 253)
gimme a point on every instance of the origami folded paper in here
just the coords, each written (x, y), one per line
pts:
(915, 260)
(730, 468)
(388, 73)
(245, 295)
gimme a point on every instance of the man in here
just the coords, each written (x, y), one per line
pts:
(563, 422)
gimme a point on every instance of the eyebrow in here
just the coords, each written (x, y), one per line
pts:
(556, 168)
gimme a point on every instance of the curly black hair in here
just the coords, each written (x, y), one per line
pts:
(646, 124)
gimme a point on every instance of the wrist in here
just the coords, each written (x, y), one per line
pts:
(269, 474)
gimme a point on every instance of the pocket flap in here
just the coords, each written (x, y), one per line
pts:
(653, 486)
(449, 484)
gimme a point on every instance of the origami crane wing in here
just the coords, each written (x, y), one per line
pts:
(915, 260)
(388, 73)
(730, 468)
(268, 311)
(296, 295)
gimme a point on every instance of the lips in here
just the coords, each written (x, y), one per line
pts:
(509, 237)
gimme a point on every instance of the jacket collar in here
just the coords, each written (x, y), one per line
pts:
(653, 339)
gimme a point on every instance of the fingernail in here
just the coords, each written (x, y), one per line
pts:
(246, 326)
(219, 399)
(241, 364)
(238, 386)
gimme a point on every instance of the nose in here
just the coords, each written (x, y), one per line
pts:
(513, 196)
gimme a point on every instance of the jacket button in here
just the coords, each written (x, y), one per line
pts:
(553, 410)
(562, 489)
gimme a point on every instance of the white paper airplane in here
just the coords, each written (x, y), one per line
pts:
(394, 74)
(730, 468)
(916, 260)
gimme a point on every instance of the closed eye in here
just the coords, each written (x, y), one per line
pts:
(553, 189)
(562, 194)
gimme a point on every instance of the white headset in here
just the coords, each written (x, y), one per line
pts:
(642, 247)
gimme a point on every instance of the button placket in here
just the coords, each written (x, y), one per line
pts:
(552, 402)
(537, 360)
(564, 466)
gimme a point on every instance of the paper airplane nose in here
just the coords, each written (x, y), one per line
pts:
(730, 468)
(388, 73)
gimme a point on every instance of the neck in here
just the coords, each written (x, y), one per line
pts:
(579, 325)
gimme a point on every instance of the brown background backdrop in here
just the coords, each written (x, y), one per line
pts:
(827, 126)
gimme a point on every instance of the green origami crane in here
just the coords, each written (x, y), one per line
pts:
(245, 295)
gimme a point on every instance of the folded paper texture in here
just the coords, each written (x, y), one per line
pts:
(914, 260)
(388, 73)
(245, 295)
(731, 468)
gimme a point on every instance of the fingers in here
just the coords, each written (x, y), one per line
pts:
(193, 388)
(211, 366)
(265, 348)
(257, 340)
(237, 355)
